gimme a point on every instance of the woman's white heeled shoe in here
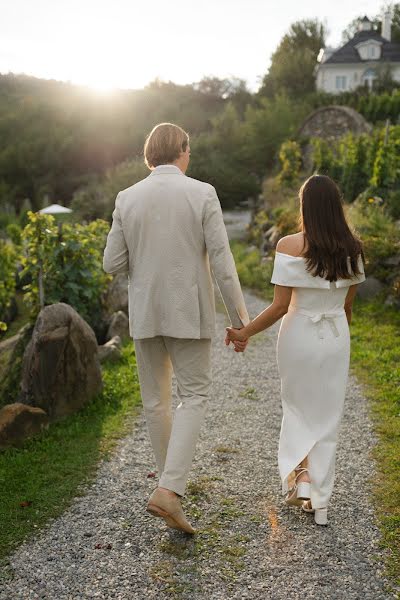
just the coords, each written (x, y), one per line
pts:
(320, 514)
(300, 491)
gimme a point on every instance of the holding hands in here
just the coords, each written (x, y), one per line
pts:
(237, 338)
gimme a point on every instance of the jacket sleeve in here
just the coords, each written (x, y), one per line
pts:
(222, 262)
(116, 257)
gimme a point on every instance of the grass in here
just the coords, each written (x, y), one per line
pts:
(249, 394)
(375, 332)
(40, 479)
(375, 359)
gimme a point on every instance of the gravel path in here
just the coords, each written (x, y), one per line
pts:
(249, 545)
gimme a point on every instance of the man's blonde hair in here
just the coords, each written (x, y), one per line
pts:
(164, 144)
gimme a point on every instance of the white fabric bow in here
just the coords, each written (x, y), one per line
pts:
(329, 318)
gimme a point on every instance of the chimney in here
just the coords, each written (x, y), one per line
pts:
(387, 26)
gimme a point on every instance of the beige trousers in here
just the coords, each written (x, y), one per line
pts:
(174, 439)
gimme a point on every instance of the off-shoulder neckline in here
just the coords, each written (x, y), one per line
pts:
(290, 255)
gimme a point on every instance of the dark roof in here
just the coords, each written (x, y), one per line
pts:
(349, 53)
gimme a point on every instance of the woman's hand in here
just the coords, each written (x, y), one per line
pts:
(240, 346)
(235, 335)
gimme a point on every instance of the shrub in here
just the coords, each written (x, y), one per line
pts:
(14, 233)
(286, 217)
(252, 272)
(8, 265)
(70, 263)
(290, 158)
(377, 231)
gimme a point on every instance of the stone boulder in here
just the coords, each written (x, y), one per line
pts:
(370, 288)
(392, 300)
(392, 261)
(111, 350)
(119, 326)
(270, 238)
(19, 421)
(61, 369)
(117, 296)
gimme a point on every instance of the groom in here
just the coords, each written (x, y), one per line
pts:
(168, 234)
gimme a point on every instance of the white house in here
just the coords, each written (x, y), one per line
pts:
(359, 61)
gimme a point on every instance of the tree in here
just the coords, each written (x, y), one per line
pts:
(352, 27)
(292, 69)
(233, 90)
(350, 31)
(219, 158)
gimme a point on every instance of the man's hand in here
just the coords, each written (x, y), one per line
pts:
(239, 345)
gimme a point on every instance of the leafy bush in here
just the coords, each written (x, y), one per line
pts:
(356, 163)
(393, 203)
(252, 272)
(8, 265)
(386, 171)
(290, 158)
(377, 231)
(286, 217)
(70, 261)
(14, 233)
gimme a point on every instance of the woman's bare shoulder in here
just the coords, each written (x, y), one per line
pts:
(291, 244)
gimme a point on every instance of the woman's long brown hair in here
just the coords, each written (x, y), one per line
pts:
(329, 240)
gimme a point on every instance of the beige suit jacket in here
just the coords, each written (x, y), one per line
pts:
(168, 234)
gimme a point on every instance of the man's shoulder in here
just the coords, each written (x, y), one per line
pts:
(134, 187)
(201, 186)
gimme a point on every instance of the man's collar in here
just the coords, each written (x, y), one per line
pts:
(166, 169)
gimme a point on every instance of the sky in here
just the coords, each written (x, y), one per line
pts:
(128, 43)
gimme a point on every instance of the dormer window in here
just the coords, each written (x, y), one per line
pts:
(369, 50)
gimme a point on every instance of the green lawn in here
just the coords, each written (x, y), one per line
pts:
(375, 355)
(375, 359)
(39, 479)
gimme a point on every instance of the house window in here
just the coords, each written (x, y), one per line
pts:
(371, 52)
(369, 77)
(341, 82)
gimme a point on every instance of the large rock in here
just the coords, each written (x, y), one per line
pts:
(117, 296)
(61, 368)
(19, 421)
(392, 261)
(119, 326)
(270, 238)
(370, 288)
(111, 350)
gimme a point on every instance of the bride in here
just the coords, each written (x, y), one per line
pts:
(316, 273)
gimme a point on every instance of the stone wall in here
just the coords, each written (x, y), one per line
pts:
(333, 121)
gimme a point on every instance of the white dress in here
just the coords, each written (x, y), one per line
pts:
(313, 354)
